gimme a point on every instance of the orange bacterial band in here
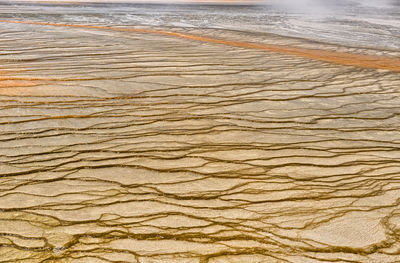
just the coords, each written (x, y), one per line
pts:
(349, 59)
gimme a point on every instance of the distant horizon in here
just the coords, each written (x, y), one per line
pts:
(291, 4)
(241, 2)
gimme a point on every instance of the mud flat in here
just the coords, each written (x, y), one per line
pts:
(118, 145)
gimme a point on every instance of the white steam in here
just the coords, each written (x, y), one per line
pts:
(376, 3)
(321, 7)
(300, 6)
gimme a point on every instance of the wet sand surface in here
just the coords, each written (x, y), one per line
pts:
(120, 145)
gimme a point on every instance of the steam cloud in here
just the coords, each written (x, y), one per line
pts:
(324, 6)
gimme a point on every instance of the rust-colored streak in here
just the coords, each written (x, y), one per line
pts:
(349, 59)
(8, 84)
(14, 83)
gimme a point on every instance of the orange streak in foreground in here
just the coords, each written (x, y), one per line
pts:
(8, 81)
(8, 84)
(349, 59)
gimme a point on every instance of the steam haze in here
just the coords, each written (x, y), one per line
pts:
(318, 7)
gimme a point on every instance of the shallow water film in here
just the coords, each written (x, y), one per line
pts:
(204, 134)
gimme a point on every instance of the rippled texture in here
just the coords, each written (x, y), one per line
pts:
(120, 145)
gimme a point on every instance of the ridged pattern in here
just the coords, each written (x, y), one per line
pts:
(135, 147)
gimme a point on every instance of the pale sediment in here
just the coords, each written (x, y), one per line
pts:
(135, 147)
(349, 59)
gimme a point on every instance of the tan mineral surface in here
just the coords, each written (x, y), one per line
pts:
(150, 145)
